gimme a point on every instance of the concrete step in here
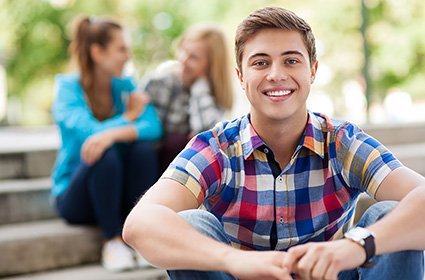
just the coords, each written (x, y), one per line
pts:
(94, 272)
(27, 152)
(395, 134)
(26, 164)
(25, 200)
(43, 245)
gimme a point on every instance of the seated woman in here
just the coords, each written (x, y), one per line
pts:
(106, 160)
(193, 93)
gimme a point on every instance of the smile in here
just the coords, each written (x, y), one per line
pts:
(278, 92)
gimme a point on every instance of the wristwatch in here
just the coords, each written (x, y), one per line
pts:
(366, 239)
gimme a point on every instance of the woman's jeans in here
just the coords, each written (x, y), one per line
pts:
(105, 192)
(407, 265)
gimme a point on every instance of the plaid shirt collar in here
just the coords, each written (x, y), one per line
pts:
(312, 138)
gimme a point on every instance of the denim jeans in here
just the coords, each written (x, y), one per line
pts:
(407, 265)
(105, 192)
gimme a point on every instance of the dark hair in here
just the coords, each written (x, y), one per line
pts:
(89, 31)
(274, 18)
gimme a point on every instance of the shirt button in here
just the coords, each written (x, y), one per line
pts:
(266, 150)
(280, 179)
(281, 220)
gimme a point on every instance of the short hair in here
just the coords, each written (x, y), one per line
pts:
(273, 18)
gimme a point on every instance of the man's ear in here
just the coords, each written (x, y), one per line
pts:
(313, 72)
(240, 77)
(96, 52)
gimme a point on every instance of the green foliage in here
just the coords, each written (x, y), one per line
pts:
(397, 46)
(35, 37)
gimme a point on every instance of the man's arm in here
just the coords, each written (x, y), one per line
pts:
(402, 229)
(166, 240)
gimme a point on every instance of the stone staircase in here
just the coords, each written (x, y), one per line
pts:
(34, 242)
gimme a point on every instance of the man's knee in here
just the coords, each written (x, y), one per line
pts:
(205, 223)
(199, 219)
(376, 211)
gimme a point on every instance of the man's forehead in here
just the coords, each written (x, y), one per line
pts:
(272, 41)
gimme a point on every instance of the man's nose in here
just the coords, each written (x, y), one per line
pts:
(277, 73)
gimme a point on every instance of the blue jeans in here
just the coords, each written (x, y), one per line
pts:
(105, 192)
(401, 265)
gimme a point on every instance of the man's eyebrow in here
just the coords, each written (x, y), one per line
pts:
(292, 52)
(258, 55)
(282, 54)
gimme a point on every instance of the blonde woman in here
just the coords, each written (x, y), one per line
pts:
(192, 93)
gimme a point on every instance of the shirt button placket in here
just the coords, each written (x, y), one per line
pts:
(280, 185)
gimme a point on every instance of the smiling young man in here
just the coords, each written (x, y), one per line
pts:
(275, 183)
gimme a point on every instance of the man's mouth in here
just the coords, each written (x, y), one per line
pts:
(277, 93)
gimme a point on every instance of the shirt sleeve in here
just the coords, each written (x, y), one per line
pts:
(364, 162)
(198, 167)
(204, 113)
(71, 112)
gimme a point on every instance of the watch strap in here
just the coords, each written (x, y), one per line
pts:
(369, 246)
(366, 239)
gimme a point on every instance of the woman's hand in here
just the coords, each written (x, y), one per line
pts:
(136, 105)
(94, 147)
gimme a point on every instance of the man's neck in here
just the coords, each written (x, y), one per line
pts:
(282, 136)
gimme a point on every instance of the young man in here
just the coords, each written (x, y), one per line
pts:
(279, 178)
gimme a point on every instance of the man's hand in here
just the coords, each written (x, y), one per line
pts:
(258, 265)
(94, 147)
(324, 260)
(136, 105)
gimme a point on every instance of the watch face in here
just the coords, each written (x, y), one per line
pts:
(358, 233)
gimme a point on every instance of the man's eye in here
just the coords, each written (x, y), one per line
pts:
(292, 61)
(260, 63)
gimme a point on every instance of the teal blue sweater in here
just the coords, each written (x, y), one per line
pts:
(76, 122)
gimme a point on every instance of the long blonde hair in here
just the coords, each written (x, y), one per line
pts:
(219, 72)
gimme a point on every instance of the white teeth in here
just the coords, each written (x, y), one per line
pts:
(278, 93)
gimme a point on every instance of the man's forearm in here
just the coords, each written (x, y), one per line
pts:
(168, 241)
(404, 227)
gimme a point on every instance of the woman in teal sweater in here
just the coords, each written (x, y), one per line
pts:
(106, 160)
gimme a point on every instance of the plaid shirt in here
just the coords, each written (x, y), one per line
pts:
(181, 111)
(313, 198)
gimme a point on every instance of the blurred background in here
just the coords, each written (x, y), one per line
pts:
(371, 52)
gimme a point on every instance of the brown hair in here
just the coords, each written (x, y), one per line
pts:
(218, 63)
(89, 31)
(274, 18)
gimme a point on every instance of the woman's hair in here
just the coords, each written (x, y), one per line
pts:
(273, 18)
(89, 31)
(218, 64)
